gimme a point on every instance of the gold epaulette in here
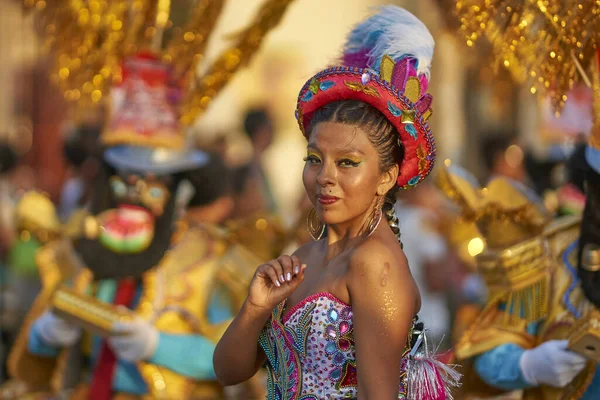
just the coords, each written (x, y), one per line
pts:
(514, 267)
(75, 227)
(519, 281)
(237, 268)
(57, 262)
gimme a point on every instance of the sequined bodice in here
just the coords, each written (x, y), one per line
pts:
(310, 352)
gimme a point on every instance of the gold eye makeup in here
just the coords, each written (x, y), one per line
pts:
(349, 162)
(312, 158)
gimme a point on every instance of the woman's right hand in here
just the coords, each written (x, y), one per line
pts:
(274, 281)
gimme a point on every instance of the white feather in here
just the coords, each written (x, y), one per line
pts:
(401, 34)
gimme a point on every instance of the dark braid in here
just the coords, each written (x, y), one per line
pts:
(390, 211)
(382, 135)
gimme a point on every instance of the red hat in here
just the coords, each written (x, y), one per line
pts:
(386, 64)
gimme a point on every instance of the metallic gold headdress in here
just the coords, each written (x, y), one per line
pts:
(505, 211)
(515, 263)
(91, 38)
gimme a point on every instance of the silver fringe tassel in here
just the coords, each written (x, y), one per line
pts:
(427, 377)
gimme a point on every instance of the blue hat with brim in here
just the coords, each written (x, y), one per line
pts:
(159, 161)
(592, 156)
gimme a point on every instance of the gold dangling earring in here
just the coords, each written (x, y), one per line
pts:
(376, 219)
(314, 226)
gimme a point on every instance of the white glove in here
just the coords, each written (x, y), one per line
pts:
(551, 364)
(134, 341)
(55, 331)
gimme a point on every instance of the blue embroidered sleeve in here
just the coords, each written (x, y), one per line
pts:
(188, 355)
(499, 367)
(191, 355)
(38, 347)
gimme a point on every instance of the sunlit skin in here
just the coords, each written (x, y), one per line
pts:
(342, 178)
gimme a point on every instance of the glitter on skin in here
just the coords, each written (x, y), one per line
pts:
(390, 308)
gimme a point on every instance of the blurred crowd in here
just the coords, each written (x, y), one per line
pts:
(439, 248)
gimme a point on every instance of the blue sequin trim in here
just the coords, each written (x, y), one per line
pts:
(575, 280)
(411, 130)
(414, 180)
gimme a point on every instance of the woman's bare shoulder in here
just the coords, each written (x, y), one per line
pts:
(304, 250)
(377, 252)
(376, 263)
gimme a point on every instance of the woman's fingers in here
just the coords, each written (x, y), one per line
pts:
(296, 263)
(278, 270)
(268, 270)
(284, 270)
(298, 278)
(288, 267)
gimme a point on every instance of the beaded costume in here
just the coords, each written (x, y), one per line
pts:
(310, 351)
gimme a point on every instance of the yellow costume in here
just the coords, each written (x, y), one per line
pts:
(203, 256)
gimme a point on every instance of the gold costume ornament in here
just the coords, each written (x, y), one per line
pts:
(547, 43)
(90, 38)
(522, 266)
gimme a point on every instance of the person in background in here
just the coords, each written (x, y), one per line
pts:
(571, 195)
(253, 193)
(8, 162)
(80, 152)
(502, 156)
(213, 201)
(427, 252)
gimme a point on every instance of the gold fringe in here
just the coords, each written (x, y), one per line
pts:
(186, 49)
(529, 303)
(534, 40)
(232, 59)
